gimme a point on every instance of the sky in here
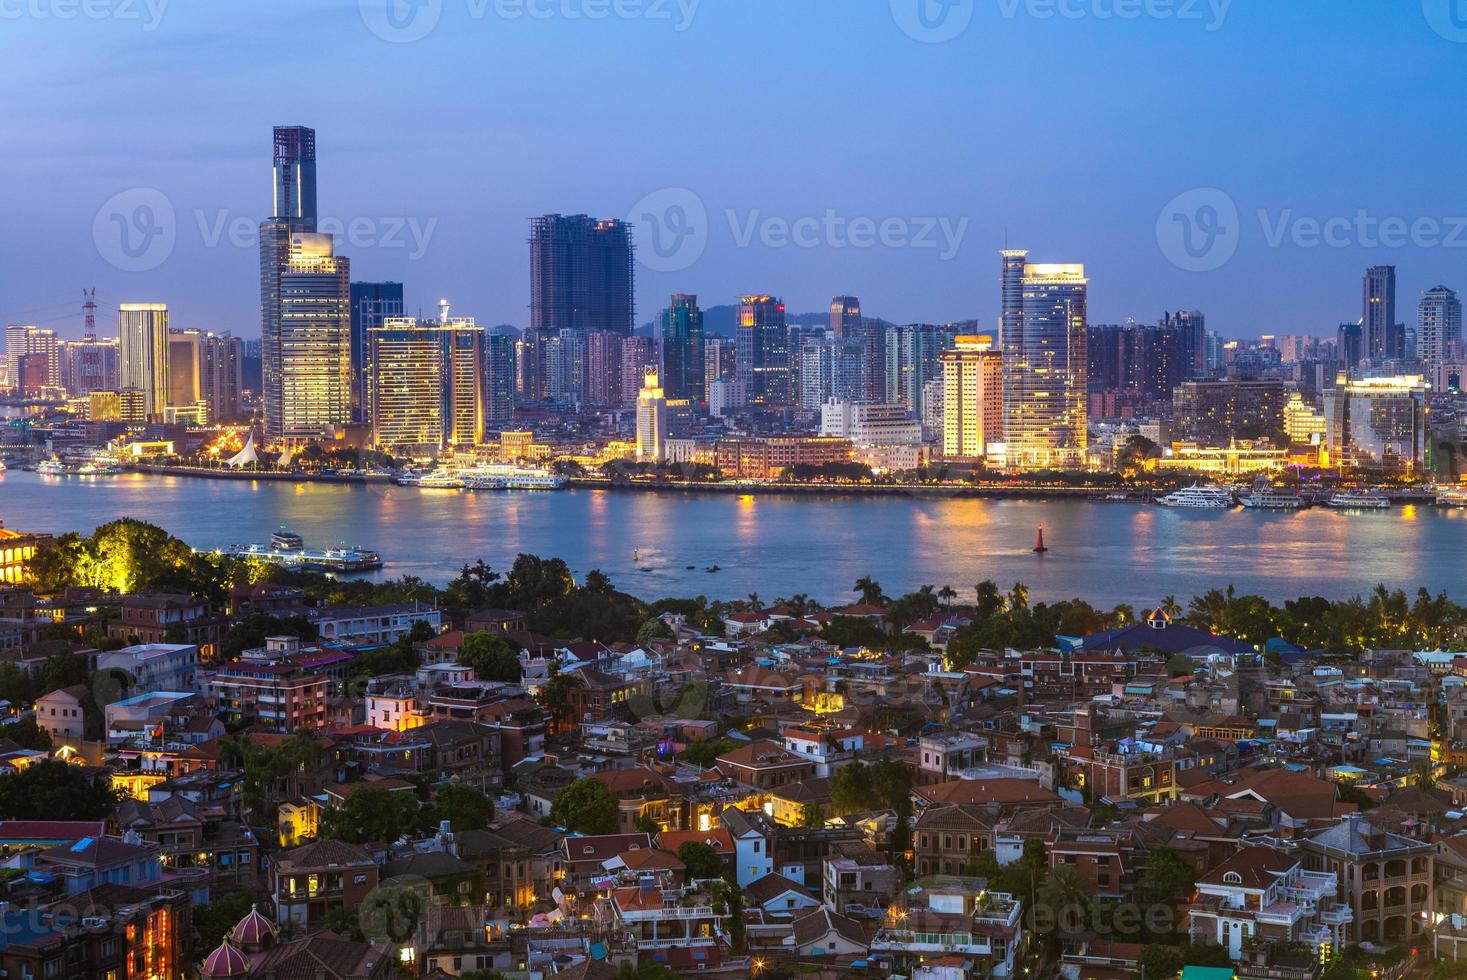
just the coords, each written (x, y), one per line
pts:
(1248, 158)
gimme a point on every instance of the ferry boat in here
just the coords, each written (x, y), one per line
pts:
(1265, 497)
(1358, 500)
(288, 548)
(1200, 497)
(440, 481)
(51, 467)
(504, 477)
(1450, 497)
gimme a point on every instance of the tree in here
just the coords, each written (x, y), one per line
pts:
(1160, 962)
(1180, 665)
(27, 734)
(48, 788)
(653, 629)
(493, 657)
(250, 632)
(464, 807)
(870, 591)
(647, 825)
(701, 859)
(703, 754)
(586, 806)
(373, 815)
(215, 921)
(1165, 878)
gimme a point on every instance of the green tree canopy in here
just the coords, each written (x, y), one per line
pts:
(701, 859)
(464, 807)
(47, 789)
(586, 806)
(492, 656)
(373, 815)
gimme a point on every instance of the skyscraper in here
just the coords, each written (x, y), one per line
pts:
(293, 212)
(295, 176)
(638, 354)
(1383, 337)
(23, 341)
(581, 274)
(972, 397)
(499, 379)
(913, 356)
(1011, 294)
(763, 351)
(604, 387)
(1045, 365)
(185, 367)
(1191, 328)
(313, 337)
(830, 369)
(371, 304)
(682, 348)
(143, 331)
(465, 380)
(89, 365)
(845, 318)
(407, 385)
(222, 380)
(651, 419)
(1438, 326)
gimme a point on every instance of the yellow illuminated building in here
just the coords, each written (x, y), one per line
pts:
(298, 822)
(315, 338)
(972, 402)
(1301, 422)
(1234, 460)
(16, 549)
(406, 385)
(651, 419)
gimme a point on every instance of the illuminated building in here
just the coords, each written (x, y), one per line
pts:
(637, 355)
(1045, 365)
(185, 366)
(1301, 422)
(763, 355)
(1382, 337)
(581, 274)
(143, 329)
(913, 357)
(427, 385)
(1230, 460)
(682, 348)
(499, 379)
(89, 364)
(278, 697)
(27, 341)
(1438, 326)
(845, 318)
(765, 459)
(1216, 412)
(830, 369)
(604, 384)
(1379, 422)
(651, 420)
(972, 397)
(371, 304)
(314, 340)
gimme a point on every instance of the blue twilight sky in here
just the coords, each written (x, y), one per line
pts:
(799, 147)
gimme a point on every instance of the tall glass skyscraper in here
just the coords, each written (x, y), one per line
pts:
(682, 349)
(371, 304)
(313, 341)
(295, 176)
(293, 212)
(845, 318)
(1383, 337)
(499, 379)
(1439, 326)
(1045, 365)
(763, 352)
(143, 331)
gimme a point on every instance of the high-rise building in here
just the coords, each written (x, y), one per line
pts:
(143, 331)
(972, 397)
(407, 385)
(1439, 326)
(1011, 295)
(371, 304)
(913, 357)
(763, 351)
(720, 361)
(1147, 360)
(830, 368)
(292, 213)
(604, 385)
(21, 341)
(89, 365)
(222, 377)
(581, 274)
(465, 380)
(1215, 412)
(1350, 341)
(638, 354)
(185, 367)
(313, 337)
(499, 379)
(845, 318)
(1191, 329)
(567, 369)
(1045, 364)
(682, 348)
(1383, 337)
(651, 419)
(1379, 423)
(529, 373)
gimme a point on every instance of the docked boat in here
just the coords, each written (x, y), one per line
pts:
(1199, 497)
(1266, 497)
(287, 548)
(51, 467)
(504, 477)
(1358, 500)
(441, 481)
(1452, 497)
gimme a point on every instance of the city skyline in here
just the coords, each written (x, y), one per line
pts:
(474, 255)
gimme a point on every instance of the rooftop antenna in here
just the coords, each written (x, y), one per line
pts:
(89, 307)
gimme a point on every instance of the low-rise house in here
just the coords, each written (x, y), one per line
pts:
(373, 625)
(778, 897)
(820, 933)
(948, 915)
(764, 765)
(1264, 895)
(308, 883)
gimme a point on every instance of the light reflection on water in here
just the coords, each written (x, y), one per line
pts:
(1105, 552)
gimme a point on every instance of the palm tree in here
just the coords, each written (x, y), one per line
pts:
(1171, 608)
(1019, 596)
(754, 602)
(947, 594)
(870, 591)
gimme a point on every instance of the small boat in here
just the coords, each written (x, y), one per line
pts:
(1358, 500)
(51, 467)
(1450, 497)
(712, 569)
(1039, 548)
(1118, 496)
(1266, 497)
(1199, 497)
(441, 481)
(288, 549)
(691, 567)
(636, 555)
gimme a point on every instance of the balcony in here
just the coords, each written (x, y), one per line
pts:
(907, 940)
(675, 913)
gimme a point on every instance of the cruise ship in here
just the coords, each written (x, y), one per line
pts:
(1199, 497)
(288, 549)
(1452, 497)
(505, 477)
(1266, 497)
(440, 481)
(1358, 500)
(51, 467)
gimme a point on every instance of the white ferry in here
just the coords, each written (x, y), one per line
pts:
(506, 477)
(1200, 497)
(1452, 497)
(287, 548)
(1265, 497)
(1358, 500)
(440, 481)
(51, 467)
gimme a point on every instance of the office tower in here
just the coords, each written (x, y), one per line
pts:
(567, 369)
(763, 356)
(314, 341)
(1350, 341)
(581, 274)
(21, 341)
(499, 379)
(89, 365)
(845, 318)
(913, 357)
(371, 304)
(292, 213)
(465, 379)
(1379, 423)
(720, 360)
(1011, 294)
(1045, 364)
(604, 386)
(651, 419)
(222, 376)
(529, 353)
(295, 176)
(637, 355)
(972, 396)
(1438, 326)
(185, 367)
(1191, 328)
(407, 385)
(830, 369)
(1382, 336)
(1215, 413)
(1149, 361)
(143, 331)
(682, 348)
